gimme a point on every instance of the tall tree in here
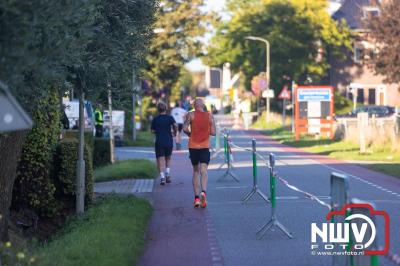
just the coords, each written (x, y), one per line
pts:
(299, 31)
(44, 43)
(178, 29)
(385, 32)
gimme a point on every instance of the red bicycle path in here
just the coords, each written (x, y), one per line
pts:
(178, 234)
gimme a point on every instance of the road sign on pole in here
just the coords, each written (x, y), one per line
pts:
(284, 94)
(12, 116)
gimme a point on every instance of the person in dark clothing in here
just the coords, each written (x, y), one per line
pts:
(162, 126)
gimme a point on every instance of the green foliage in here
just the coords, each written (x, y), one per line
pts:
(65, 161)
(143, 139)
(74, 134)
(298, 30)
(181, 24)
(136, 168)
(342, 104)
(34, 186)
(110, 233)
(101, 152)
(149, 112)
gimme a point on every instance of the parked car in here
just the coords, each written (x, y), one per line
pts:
(377, 110)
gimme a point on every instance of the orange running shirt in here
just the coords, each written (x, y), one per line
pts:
(200, 131)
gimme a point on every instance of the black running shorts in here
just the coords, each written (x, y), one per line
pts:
(199, 156)
(163, 151)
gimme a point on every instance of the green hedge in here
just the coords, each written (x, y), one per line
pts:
(74, 134)
(65, 172)
(34, 187)
(101, 152)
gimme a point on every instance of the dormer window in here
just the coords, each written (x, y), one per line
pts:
(371, 11)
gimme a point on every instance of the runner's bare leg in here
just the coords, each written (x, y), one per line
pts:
(196, 184)
(161, 164)
(204, 176)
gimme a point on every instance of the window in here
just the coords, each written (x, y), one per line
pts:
(358, 53)
(371, 96)
(360, 95)
(370, 12)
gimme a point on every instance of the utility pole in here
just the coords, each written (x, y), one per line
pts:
(293, 101)
(80, 167)
(133, 106)
(112, 159)
(267, 68)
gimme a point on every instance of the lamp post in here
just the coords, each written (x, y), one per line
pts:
(267, 70)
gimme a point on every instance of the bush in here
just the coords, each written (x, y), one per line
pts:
(101, 152)
(74, 134)
(342, 104)
(34, 187)
(65, 172)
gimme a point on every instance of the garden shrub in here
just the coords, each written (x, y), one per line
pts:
(34, 187)
(65, 161)
(101, 152)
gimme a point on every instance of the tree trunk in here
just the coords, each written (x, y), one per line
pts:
(10, 151)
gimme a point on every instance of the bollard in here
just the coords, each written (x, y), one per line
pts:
(255, 185)
(227, 161)
(362, 260)
(339, 197)
(273, 222)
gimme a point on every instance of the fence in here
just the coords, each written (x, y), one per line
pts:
(364, 130)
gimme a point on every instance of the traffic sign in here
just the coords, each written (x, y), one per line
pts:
(268, 94)
(12, 116)
(284, 94)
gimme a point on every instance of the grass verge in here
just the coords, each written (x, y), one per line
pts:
(143, 139)
(135, 168)
(387, 161)
(112, 232)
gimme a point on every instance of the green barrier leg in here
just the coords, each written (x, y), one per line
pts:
(273, 222)
(255, 181)
(228, 163)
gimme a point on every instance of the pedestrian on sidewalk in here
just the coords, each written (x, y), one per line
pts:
(162, 126)
(199, 125)
(179, 114)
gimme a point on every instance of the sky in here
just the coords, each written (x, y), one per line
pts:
(211, 5)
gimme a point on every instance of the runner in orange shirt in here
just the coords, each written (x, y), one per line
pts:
(199, 125)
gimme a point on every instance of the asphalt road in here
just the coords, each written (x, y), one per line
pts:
(234, 224)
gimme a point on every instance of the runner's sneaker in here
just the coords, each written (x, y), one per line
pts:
(168, 179)
(203, 200)
(196, 202)
(162, 181)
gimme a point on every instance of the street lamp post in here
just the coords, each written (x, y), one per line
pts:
(267, 70)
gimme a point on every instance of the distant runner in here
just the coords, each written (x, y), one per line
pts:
(199, 125)
(179, 114)
(162, 126)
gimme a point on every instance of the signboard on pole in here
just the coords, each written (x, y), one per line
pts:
(268, 94)
(284, 94)
(12, 116)
(314, 110)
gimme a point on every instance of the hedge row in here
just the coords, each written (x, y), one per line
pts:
(65, 161)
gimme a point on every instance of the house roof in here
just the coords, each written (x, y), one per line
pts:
(352, 12)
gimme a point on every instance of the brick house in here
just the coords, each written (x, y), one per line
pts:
(352, 76)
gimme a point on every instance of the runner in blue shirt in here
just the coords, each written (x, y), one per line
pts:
(162, 126)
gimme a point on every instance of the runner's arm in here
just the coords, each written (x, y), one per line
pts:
(152, 127)
(212, 125)
(186, 124)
